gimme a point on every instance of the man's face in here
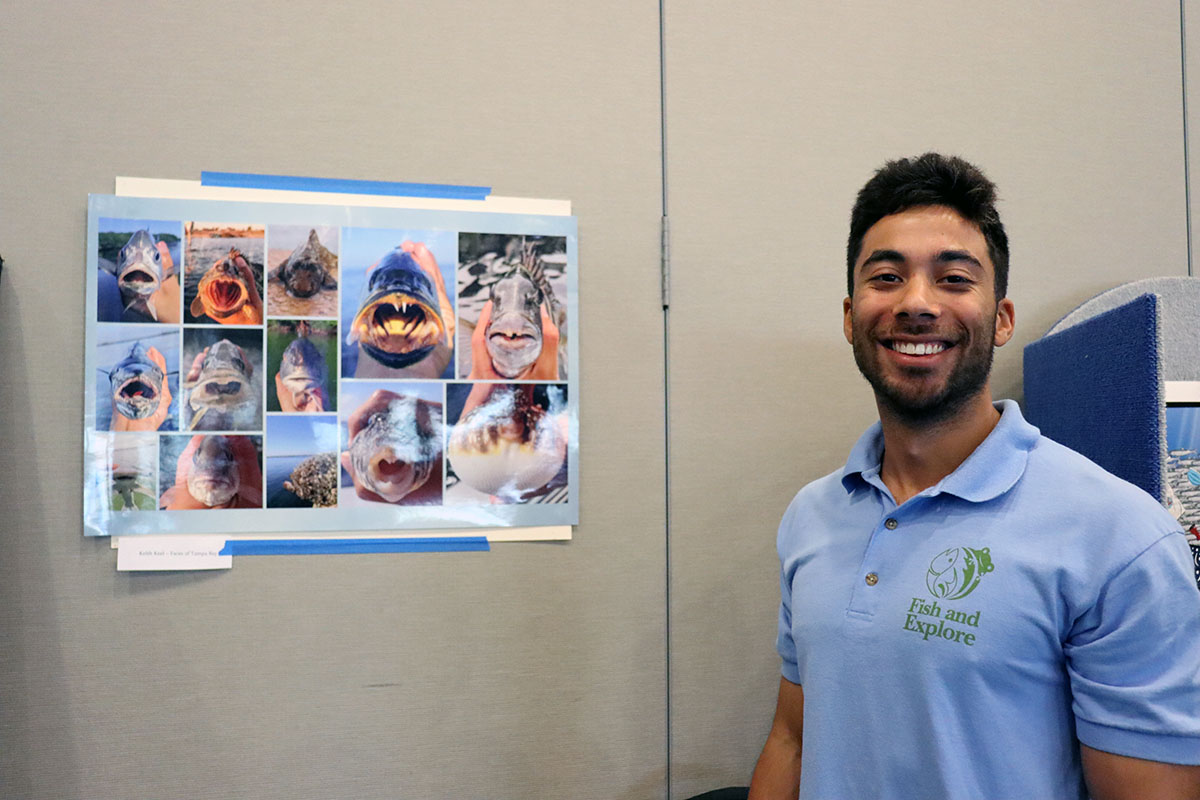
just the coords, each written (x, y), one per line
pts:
(924, 317)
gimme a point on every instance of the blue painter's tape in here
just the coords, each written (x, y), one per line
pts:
(249, 180)
(295, 547)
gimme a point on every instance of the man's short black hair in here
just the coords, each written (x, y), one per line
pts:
(930, 180)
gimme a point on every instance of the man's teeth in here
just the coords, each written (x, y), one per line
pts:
(918, 348)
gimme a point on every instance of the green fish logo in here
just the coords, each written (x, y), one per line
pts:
(954, 573)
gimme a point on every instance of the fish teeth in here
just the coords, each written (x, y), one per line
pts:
(918, 348)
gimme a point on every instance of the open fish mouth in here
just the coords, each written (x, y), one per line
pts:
(140, 265)
(396, 328)
(392, 478)
(225, 296)
(140, 282)
(136, 398)
(396, 452)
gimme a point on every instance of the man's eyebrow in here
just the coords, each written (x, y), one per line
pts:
(882, 255)
(949, 256)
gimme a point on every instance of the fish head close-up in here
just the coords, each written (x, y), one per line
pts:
(398, 322)
(306, 270)
(222, 291)
(514, 333)
(395, 453)
(302, 367)
(224, 378)
(139, 266)
(213, 475)
(136, 383)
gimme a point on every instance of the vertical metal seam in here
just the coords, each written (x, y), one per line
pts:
(1187, 180)
(663, 264)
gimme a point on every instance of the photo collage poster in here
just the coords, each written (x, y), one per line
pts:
(282, 368)
(1183, 471)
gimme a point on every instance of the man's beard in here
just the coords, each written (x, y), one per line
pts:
(919, 407)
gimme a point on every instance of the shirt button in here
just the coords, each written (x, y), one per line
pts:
(872, 579)
(891, 524)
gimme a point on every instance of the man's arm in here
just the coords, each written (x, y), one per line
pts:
(1113, 777)
(777, 774)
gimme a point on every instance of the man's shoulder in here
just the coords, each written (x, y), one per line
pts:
(1068, 480)
(821, 490)
(816, 499)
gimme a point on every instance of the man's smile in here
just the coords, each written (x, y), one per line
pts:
(917, 348)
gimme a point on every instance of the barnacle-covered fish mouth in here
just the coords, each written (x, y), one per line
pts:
(396, 328)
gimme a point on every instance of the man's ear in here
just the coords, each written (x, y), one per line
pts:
(847, 327)
(1005, 322)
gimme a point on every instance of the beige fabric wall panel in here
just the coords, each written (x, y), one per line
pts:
(1191, 68)
(776, 114)
(533, 671)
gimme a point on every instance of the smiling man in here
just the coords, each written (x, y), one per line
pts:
(970, 610)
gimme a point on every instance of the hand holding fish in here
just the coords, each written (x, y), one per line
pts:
(164, 302)
(243, 473)
(544, 367)
(398, 451)
(252, 312)
(120, 422)
(307, 402)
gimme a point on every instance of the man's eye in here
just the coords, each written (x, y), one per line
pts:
(886, 277)
(959, 279)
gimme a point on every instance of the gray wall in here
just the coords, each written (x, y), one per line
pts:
(536, 670)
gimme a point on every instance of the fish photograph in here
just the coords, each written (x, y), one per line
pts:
(132, 473)
(210, 471)
(301, 457)
(302, 274)
(506, 443)
(1183, 466)
(511, 305)
(135, 275)
(137, 382)
(392, 444)
(222, 388)
(302, 365)
(223, 273)
(397, 313)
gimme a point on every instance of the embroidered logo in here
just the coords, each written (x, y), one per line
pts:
(953, 574)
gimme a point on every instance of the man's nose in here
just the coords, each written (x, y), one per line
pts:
(918, 298)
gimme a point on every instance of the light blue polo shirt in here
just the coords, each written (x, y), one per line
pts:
(959, 646)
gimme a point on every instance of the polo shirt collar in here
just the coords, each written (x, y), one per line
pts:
(995, 466)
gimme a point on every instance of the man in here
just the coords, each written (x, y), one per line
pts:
(969, 609)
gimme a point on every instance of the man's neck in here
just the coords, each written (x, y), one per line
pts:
(916, 457)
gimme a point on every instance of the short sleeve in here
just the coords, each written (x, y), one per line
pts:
(1133, 658)
(783, 639)
(784, 642)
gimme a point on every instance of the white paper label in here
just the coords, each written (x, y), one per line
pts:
(171, 553)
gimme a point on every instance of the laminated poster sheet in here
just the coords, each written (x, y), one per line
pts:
(1183, 460)
(273, 367)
